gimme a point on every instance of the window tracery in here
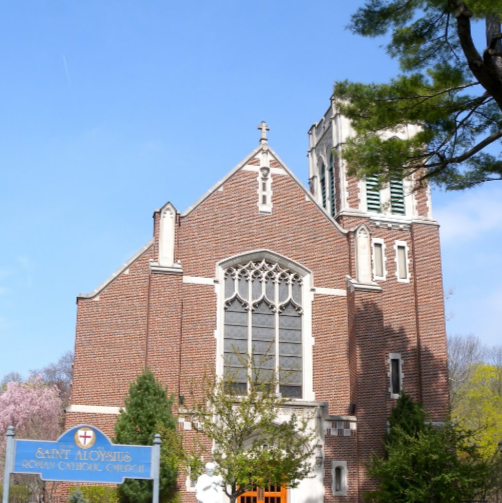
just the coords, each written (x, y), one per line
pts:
(263, 321)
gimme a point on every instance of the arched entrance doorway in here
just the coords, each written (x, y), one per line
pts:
(271, 494)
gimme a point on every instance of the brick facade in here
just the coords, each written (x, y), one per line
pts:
(166, 316)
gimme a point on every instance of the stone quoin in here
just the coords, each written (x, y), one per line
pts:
(343, 278)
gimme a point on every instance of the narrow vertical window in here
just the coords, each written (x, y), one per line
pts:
(332, 186)
(323, 185)
(373, 194)
(397, 197)
(395, 374)
(264, 190)
(378, 259)
(402, 261)
(339, 485)
(338, 479)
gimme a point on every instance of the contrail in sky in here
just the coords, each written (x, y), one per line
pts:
(66, 70)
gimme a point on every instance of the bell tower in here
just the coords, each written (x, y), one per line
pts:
(345, 197)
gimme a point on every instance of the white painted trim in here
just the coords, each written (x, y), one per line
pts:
(117, 273)
(265, 177)
(344, 482)
(273, 171)
(188, 484)
(404, 244)
(395, 356)
(286, 169)
(352, 285)
(195, 280)
(229, 175)
(307, 298)
(329, 291)
(260, 255)
(363, 199)
(167, 235)
(363, 255)
(158, 269)
(93, 409)
(384, 259)
(385, 199)
(342, 418)
(409, 198)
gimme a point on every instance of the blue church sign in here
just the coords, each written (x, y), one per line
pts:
(82, 454)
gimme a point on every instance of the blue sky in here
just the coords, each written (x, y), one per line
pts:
(108, 109)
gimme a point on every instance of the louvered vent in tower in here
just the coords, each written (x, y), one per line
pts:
(397, 197)
(373, 194)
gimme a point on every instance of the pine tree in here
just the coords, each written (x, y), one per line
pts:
(428, 463)
(450, 86)
(147, 410)
(408, 417)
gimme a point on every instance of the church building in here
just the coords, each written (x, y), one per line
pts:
(342, 278)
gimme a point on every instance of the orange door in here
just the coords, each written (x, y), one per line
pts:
(271, 494)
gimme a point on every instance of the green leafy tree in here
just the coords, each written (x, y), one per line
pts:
(251, 445)
(96, 494)
(424, 463)
(147, 410)
(448, 87)
(480, 406)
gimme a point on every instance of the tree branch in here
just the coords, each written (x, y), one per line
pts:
(466, 155)
(486, 76)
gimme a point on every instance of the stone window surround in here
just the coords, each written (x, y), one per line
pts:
(265, 193)
(397, 245)
(395, 356)
(344, 482)
(384, 259)
(307, 296)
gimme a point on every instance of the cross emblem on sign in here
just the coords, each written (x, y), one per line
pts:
(264, 128)
(84, 437)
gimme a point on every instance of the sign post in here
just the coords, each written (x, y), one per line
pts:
(156, 467)
(9, 456)
(82, 454)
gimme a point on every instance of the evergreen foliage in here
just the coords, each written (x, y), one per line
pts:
(424, 463)
(250, 444)
(448, 88)
(77, 497)
(147, 410)
(407, 417)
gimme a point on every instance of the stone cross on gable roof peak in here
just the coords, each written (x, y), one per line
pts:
(264, 128)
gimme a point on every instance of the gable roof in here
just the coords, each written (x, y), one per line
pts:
(243, 163)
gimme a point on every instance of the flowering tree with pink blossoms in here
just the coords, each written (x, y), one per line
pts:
(35, 411)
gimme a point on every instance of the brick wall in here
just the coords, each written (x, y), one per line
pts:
(144, 318)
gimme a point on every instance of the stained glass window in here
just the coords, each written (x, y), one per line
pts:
(263, 325)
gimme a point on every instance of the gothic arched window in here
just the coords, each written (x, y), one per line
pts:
(331, 186)
(322, 180)
(263, 323)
